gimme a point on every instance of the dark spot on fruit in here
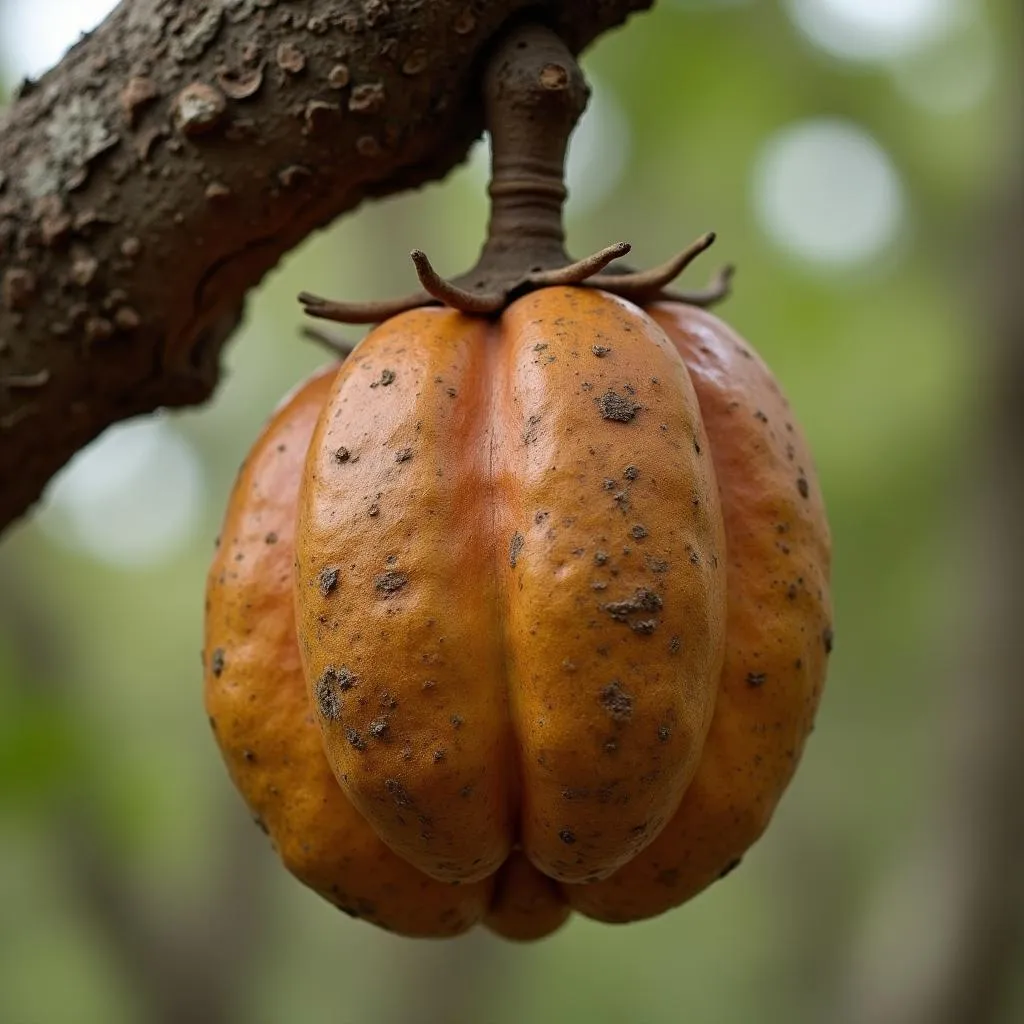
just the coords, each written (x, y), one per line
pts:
(379, 728)
(803, 487)
(530, 431)
(342, 455)
(515, 549)
(355, 739)
(403, 455)
(756, 679)
(217, 662)
(398, 793)
(374, 510)
(608, 484)
(663, 733)
(386, 377)
(600, 351)
(326, 698)
(271, 538)
(828, 638)
(389, 583)
(631, 472)
(328, 580)
(617, 702)
(638, 830)
(674, 645)
(760, 416)
(616, 407)
(638, 532)
(438, 756)
(600, 557)
(643, 600)
(567, 836)
(456, 721)
(658, 565)
(249, 756)
(260, 824)
(329, 685)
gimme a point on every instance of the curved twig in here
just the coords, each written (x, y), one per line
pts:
(581, 270)
(717, 291)
(644, 285)
(362, 312)
(472, 303)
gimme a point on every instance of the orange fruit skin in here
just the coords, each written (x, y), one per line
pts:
(525, 905)
(511, 584)
(479, 681)
(778, 632)
(256, 698)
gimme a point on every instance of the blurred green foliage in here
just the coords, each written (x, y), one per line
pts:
(101, 717)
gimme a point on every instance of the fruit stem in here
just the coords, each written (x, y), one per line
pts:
(535, 94)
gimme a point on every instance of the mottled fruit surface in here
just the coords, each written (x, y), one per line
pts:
(516, 617)
(778, 633)
(511, 584)
(256, 699)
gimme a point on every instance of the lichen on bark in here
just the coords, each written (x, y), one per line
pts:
(175, 154)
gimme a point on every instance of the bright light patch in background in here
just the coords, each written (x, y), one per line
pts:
(35, 34)
(870, 30)
(826, 191)
(952, 75)
(133, 498)
(599, 151)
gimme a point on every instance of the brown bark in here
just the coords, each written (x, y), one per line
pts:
(172, 158)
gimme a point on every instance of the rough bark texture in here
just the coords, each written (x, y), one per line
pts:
(177, 153)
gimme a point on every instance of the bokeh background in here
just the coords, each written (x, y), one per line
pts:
(847, 153)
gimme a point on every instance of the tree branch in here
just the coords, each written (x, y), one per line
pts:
(171, 159)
